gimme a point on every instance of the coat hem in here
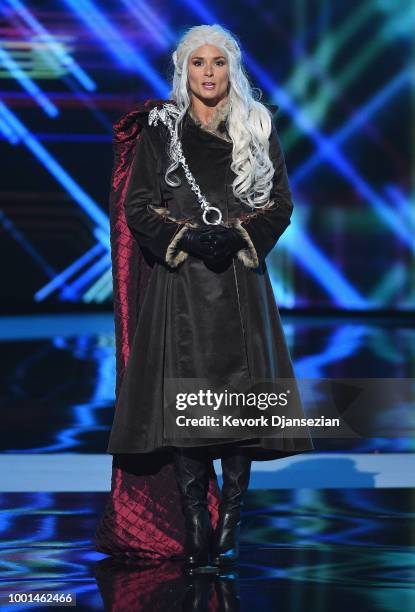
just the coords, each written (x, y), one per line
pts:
(255, 447)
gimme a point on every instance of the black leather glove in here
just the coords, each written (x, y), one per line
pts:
(224, 241)
(197, 243)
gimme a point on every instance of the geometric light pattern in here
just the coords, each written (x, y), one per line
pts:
(341, 75)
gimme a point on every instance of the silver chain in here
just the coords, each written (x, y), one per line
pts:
(164, 115)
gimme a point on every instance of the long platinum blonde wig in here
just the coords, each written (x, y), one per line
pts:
(249, 122)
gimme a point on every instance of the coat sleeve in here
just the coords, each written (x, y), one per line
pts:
(148, 220)
(262, 229)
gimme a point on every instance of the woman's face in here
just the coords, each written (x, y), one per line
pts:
(208, 74)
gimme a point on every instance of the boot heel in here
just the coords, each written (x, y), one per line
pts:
(198, 536)
(225, 547)
(192, 477)
(236, 469)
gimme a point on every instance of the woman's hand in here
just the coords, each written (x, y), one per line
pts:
(197, 243)
(224, 242)
(213, 244)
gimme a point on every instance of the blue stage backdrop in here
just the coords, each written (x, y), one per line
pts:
(340, 73)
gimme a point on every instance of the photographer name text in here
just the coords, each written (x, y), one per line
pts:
(262, 421)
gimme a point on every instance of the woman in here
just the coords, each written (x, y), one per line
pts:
(207, 200)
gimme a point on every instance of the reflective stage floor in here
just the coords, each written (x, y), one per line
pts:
(301, 549)
(323, 531)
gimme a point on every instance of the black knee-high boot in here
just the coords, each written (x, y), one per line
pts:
(191, 467)
(236, 472)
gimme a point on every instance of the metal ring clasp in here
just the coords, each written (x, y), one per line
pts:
(216, 222)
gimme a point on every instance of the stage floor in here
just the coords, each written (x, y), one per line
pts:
(321, 531)
(301, 549)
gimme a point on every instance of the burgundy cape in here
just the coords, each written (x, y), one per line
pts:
(143, 515)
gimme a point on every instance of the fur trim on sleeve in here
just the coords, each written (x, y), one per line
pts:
(175, 256)
(247, 256)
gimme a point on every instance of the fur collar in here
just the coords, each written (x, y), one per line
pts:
(217, 122)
